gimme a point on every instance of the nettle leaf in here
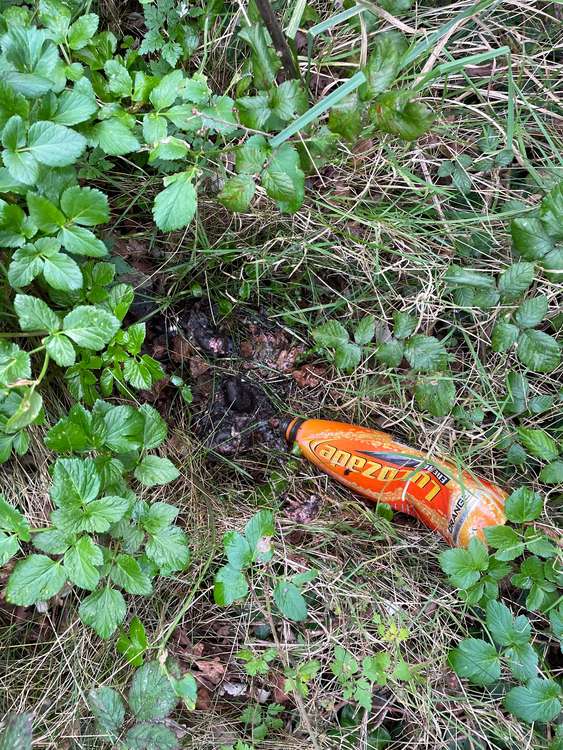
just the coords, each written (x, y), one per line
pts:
(436, 395)
(505, 540)
(551, 212)
(34, 315)
(151, 695)
(153, 470)
(516, 280)
(290, 601)
(128, 575)
(81, 563)
(330, 334)
(523, 505)
(230, 585)
(538, 443)
(34, 579)
(108, 709)
(175, 206)
(365, 330)
(425, 353)
(532, 311)
(85, 206)
(538, 351)
(103, 611)
(146, 736)
(476, 660)
(503, 336)
(530, 238)
(539, 701)
(90, 327)
(237, 192)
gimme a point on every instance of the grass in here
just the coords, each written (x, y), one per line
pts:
(376, 234)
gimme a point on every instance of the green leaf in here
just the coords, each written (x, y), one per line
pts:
(476, 660)
(168, 548)
(251, 156)
(108, 709)
(17, 732)
(124, 428)
(15, 364)
(506, 629)
(12, 520)
(119, 80)
(265, 62)
(53, 541)
(103, 611)
(74, 107)
(155, 428)
(403, 325)
(90, 327)
(146, 736)
(114, 137)
(505, 540)
(37, 578)
(167, 91)
(347, 356)
(237, 192)
(529, 238)
(531, 312)
(383, 64)
(284, 180)
(135, 646)
(60, 350)
(464, 566)
(537, 701)
(552, 473)
(290, 601)
(43, 213)
(9, 546)
(331, 334)
(230, 585)
(522, 661)
(175, 206)
(436, 395)
(85, 206)
(81, 563)
(390, 353)
(288, 100)
(81, 241)
(551, 212)
(34, 315)
(237, 550)
(365, 330)
(394, 113)
(516, 280)
(127, 574)
(345, 117)
(153, 470)
(158, 517)
(27, 411)
(62, 272)
(375, 667)
(538, 351)
(151, 695)
(54, 145)
(425, 353)
(258, 532)
(503, 336)
(82, 30)
(538, 443)
(186, 689)
(523, 505)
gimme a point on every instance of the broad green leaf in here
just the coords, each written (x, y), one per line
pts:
(153, 470)
(119, 79)
(516, 280)
(383, 64)
(147, 736)
(506, 629)
(81, 241)
(168, 548)
(73, 432)
(175, 206)
(288, 100)
(365, 330)
(522, 661)
(37, 578)
(62, 272)
(84, 205)
(75, 481)
(425, 353)
(22, 166)
(538, 443)
(44, 214)
(127, 574)
(476, 660)
(539, 701)
(108, 709)
(151, 695)
(74, 107)
(82, 30)
(124, 428)
(531, 312)
(53, 541)
(100, 514)
(394, 113)
(345, 118)
(551, 212)
(81, 563)
(9, 546)
(60, 350)
(330, 334)
(538, 351)
(258, 532)
(503, 336)
(27, 411)
(155, 428)
(54, 145)
(464, 566)
(155, 128)
(12, 520)
(347, 356)
(403, 325)
(24, 266)
(374, 668)
(390, 353)
(435, 395)
(523, 505)
(137, 374)
(284, 180)
(158, 517)
(552, 473)
(90, 327)
(505, 540)
(237, 192)
(237, 550)
(103, 611)
(265, 61)
(114, 137)
(290, 601)
(251, 156)
(167, 91)
(34, 315)
(17, 732)
(530, 238)
(518, 389)
(15, 364)
(186, 689)
(230, 586)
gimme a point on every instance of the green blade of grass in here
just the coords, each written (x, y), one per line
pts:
(454, 66)
(295, 20)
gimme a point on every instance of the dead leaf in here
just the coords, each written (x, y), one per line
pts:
(212, 669)
(309, 376)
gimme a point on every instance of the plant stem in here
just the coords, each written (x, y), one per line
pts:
(278, 38)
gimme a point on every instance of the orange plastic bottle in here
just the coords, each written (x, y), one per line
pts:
(446, 499)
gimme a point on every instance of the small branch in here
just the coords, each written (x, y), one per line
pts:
(278, 38)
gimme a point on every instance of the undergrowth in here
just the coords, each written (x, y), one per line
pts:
(379, 242)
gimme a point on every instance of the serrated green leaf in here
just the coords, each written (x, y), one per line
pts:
(391, 353)
(230, 586)
(537, 701)
(60, 350)
(531, 312)
(155, 428)
(85, 206)
(74, 107)
(290, 601)
(436, 395)
(522, 661)
(81, 563)
(34, 579)
(530, 238)
(538, 351)
(43, 213)
(124, 428)
(258, 532)
(15, 364)
(284, 180)
(34, 315)
(330, 334)
(81, 241)
(53, 541)
(175, 206)
(346, 117)
(503, 336)
(28, 410)
(119, 79)
(237, 550)
(288, 100)
(538, 443)
(153, 470)
(168, 548)
(128, 575)
(54, 145)
(90, 327)
(103, 611)
(425, 353)
(403, 325)
(12, 520)
(251, 156)
(82, 30)
(108, 709)
(506, 629)
(167, 91)
(464, 566)
(237, 192)
(394, 113)
(114, 137)
(147, 736)
(475, 660)
(383, 64)
(62, 272)
(347, 356)
(551, 212)
(552, 473)
(365, 330)
(523, 505)
(9, 546)
(505, 540)
(151, 695)
(516, 280)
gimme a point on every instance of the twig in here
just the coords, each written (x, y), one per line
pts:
(278, 38)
